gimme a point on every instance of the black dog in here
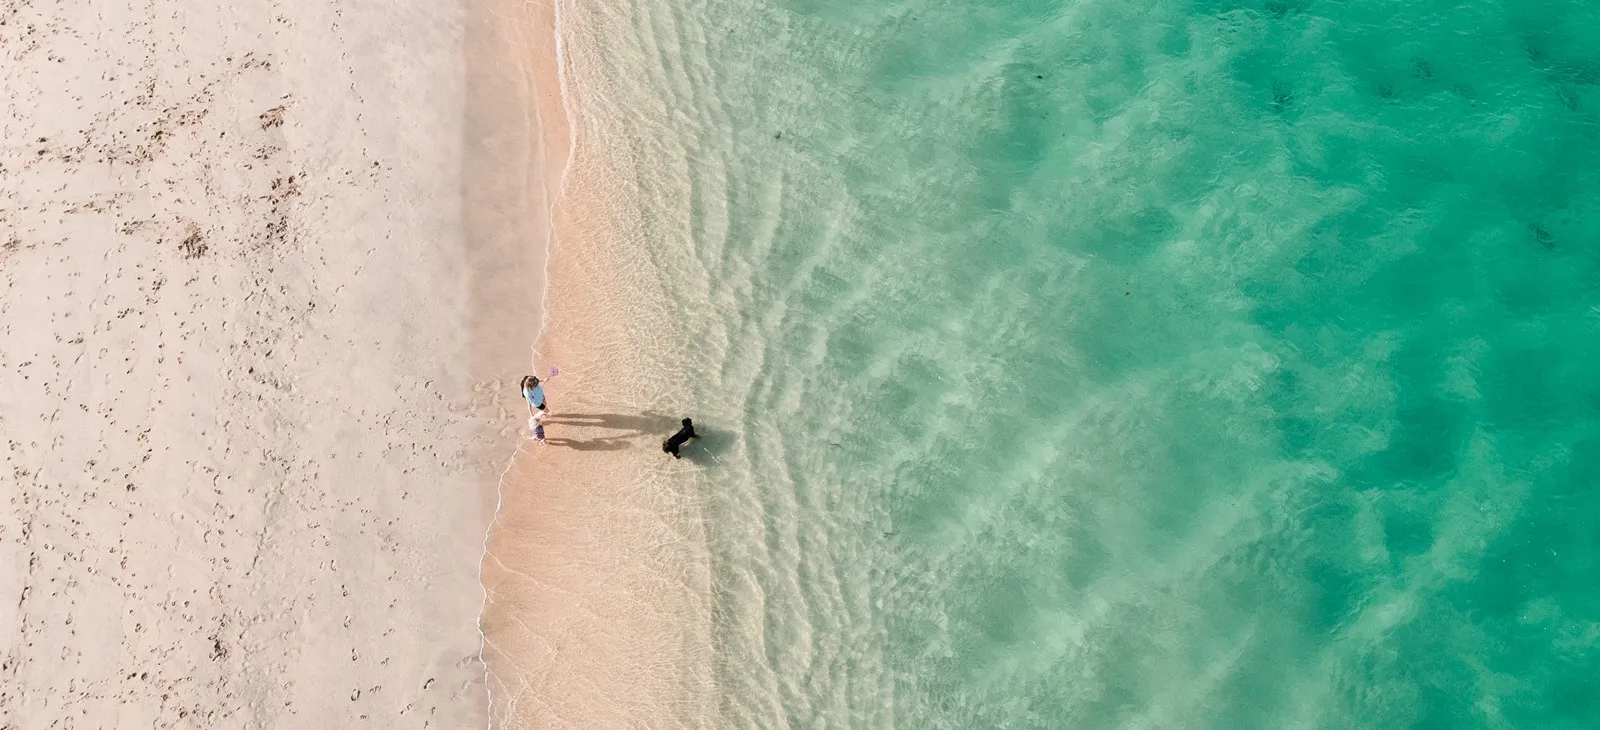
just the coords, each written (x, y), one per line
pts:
(680, 438)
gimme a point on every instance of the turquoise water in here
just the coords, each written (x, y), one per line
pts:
(1155, 364)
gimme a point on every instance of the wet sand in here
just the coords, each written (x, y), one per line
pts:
(598, 612)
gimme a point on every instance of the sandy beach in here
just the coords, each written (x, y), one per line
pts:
(270, 275)
(599, 588)
(598, 583)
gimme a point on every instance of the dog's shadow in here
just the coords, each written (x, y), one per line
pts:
(709, 443)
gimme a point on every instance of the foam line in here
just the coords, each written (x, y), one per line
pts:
(544, 323)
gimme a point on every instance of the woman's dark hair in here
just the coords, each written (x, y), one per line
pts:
(530, 381)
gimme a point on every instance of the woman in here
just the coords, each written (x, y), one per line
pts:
(533, 393)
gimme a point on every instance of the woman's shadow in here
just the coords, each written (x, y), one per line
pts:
(628, 428)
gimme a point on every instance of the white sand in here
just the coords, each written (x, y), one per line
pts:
(270, 272)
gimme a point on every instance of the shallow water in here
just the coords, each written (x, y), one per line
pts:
(1099, 364)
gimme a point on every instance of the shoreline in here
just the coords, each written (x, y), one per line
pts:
(500, 35)
(597, 611)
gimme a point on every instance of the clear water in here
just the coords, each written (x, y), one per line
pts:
(1129, 364)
